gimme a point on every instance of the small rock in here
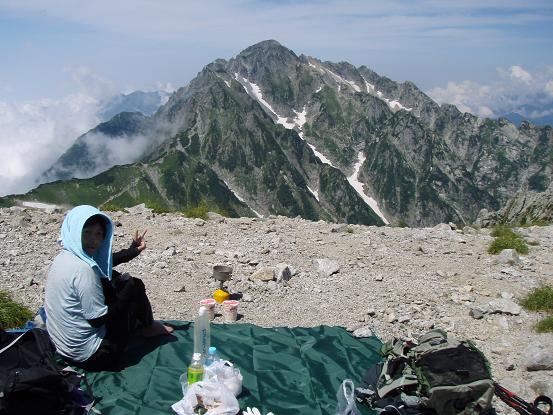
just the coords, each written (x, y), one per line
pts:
(169, 252)
(379, 278)
(504, 306)
(468, 230)
(342, 227)
(363, 332)
(215, 217)
(538, 357)
(272, 285)
(442, 227)
(326, 267)
(263, 274)
(282, 272)
(508, 256)
(477, 313)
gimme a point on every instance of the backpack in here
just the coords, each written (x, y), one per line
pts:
(437, 375)
(31, 382)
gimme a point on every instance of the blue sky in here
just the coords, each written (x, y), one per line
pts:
(60, 58)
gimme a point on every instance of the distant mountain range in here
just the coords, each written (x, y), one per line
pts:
(270, 132)
(541, 116)
(145, 103)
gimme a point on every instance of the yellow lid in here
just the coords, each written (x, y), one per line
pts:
(221, 295)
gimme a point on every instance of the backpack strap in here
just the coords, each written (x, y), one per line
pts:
(395, 374)
(402, 382)
(12, 343)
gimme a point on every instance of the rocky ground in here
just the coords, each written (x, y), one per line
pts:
(395, 281)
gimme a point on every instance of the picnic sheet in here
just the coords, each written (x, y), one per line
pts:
(286, 370)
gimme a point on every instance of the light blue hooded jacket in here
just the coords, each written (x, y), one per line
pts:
(71, 231)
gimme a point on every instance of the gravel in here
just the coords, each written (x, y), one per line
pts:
(395, 282)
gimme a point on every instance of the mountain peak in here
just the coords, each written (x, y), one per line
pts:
(267, 48)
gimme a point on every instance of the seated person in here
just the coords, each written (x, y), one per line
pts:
(90, 316)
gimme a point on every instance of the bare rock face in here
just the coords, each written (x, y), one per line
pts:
(326, 267)
(524, 208)
(538, 357)
(376, 278)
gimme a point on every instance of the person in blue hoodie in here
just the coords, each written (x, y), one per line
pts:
(92, 310)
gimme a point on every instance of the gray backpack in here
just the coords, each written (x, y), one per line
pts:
(436, 375)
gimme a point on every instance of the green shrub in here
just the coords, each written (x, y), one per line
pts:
(499, 245)
(12, 314)
(157, 207)
(200, 211)
(401, 224)
(545, 325)
(541, 299)
(506, 238)
(503, 232)
(110, 207)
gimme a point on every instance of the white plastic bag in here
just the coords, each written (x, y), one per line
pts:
(224, 371)
(346, 399)
(214, 396)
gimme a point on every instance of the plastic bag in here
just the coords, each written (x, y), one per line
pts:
(224, 371)
(213, 396)
(346, 399)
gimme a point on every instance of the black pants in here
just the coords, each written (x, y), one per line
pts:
(119, 328)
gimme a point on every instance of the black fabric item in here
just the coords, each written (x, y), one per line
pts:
(107, 357)
(450, 367)
(30, 380)
(128, 308)
(125, 255)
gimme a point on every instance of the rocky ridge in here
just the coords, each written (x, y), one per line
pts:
(390, 281)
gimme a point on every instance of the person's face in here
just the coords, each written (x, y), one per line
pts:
(92, 238)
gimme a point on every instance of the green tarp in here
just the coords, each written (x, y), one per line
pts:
(286, 370)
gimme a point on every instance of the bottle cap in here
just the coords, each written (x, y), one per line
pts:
(212, 350)
(197, 356)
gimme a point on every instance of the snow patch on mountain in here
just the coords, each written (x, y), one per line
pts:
(359, 187)
(314, 193)
(259, 215)
(296, 124)
(393, 104)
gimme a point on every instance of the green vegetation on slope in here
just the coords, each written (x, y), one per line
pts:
(506, 238)
(541, 299)
(12, 314)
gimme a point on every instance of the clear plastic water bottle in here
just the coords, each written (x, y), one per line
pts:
(196, 369)
(202, 332)
(212, 356)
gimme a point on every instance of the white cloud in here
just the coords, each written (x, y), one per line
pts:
(515, 90)
(549, 88)
(107, 151)
(518, 73)
(34, 134)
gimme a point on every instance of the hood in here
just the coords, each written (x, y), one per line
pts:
(71, 231)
